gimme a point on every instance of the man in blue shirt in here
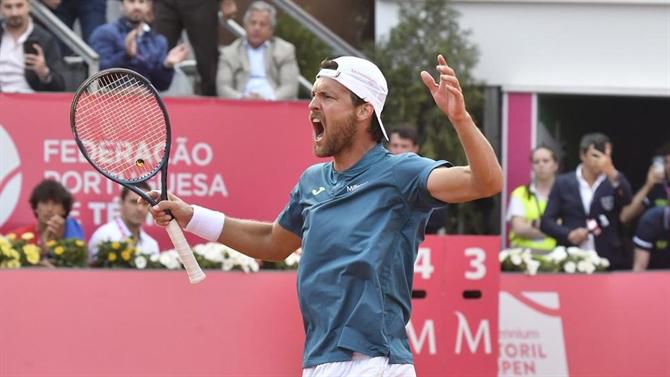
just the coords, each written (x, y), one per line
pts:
(359, 219)
(130, 43)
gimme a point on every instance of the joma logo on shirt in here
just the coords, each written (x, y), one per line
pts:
(355, 187)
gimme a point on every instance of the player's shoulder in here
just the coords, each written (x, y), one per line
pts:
(315, 170)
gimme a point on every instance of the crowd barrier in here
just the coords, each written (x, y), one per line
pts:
(467, 321)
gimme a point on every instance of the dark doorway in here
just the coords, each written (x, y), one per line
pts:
(637, 127)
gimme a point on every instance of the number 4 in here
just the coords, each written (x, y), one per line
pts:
(422, 263)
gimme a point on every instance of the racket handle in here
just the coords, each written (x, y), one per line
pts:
(195, 274)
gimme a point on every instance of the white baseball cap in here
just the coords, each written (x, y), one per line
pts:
(363, 78)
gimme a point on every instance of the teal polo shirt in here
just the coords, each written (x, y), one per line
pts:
(360, 231)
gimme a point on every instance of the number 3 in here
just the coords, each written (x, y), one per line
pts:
(477, 263)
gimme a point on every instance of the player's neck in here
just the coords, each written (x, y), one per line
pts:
(348, 157)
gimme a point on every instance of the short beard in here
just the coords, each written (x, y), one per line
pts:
(336, 143)
(14, 23)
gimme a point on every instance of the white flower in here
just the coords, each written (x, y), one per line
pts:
(516, 259)
(570, 267)
(585, 266)
(170, 259)
(227, 265)
(140, 262)
(501, 257)
(154, 257)
(594, 258)
(532, 266)
(558, 254)
(604, 262)
(292, 259)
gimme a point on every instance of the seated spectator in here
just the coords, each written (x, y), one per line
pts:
(258, 66)
(584, 206)
(90, 13)
(30, 59)
(130, 43)
(201, 21)
(528, 202)
(656, 190)
(652, 240)
(406, 140)
(127, 225)
(51, 203)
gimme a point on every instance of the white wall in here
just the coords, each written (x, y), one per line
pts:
(565, 46)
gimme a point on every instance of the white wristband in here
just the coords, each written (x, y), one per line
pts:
(206, 223)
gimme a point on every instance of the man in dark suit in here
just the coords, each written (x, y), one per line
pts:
(585, 205)
(30, 58)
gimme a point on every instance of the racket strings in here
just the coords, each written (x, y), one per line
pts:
(119, 111)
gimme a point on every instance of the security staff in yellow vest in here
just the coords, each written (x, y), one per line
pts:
(527, 203)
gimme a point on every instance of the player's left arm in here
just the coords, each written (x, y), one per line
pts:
(483, 176)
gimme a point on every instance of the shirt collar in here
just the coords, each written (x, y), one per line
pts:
(373, 155)
(261, 47)
(23, 37)
(596, 183)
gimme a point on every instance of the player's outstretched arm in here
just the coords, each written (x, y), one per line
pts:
(260, 240)
(483, 176)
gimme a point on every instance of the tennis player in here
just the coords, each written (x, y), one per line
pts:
(359, 219)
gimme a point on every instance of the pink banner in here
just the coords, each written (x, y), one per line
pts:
(241, 157)
(575, 325)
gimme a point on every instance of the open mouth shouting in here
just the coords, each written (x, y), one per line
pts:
(317, 127)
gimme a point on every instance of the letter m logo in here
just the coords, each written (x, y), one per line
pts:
(463, 332)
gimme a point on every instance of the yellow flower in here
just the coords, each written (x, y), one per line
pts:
(11, 236)
(51, 243)
(13, 254)
(32, 253)
(79, 243)
(116, 245)
(13, 264)
(111, 256)
(5, 250)
(27, 236)
(126, 254)
(59, 250)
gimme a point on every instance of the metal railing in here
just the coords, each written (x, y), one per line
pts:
(65, 34)
(339, 45)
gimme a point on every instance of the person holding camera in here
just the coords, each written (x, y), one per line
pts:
(528, 202)
(584, 206)
(656, 190)
(30, 59)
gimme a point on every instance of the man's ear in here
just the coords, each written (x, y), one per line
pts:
(365, 111)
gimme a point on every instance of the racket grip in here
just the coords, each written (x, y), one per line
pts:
(194, 271)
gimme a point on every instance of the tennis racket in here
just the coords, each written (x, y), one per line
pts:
(122, 128)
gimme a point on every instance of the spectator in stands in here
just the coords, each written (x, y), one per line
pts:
(652, 240)
(528, 202)
(584, 206)
(656, 190)
(51, 203)
(259, 66)
(127, 225)
(30, 59)
(406, 140)
(201, 21)
(90, 13)
(130, 43)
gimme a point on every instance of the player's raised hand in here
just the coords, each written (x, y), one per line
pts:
(447, 93)
(181, 210)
